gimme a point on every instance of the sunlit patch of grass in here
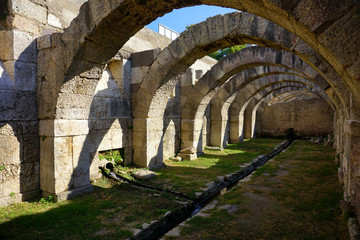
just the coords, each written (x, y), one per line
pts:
(190, 176)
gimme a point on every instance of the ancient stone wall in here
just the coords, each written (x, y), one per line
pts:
(108, 125)
(308, 117)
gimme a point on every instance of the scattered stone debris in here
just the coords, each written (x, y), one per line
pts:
(329, 141)
(187, 156)
(318, 141)
(189, 150)
(214, 148)
(177, 159)
(143, 174)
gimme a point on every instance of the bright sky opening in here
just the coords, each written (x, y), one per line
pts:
(178, 19)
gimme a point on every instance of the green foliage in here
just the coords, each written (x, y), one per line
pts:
(219, 54)
(49, 199)
(3, 167)
(189, 26)
(12, 194)
(43, 137)
(115, 156)
(125, 172)
(130, 218)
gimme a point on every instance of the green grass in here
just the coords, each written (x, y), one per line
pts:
(302, 204)
(189, 177)
(112, 209)
(110, 206)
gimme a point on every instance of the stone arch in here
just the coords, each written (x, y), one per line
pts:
(160, 79)
(222, 100)
(237, 117)
(77, 47)
(224, 96)
(285, 97)
(202, 92)
(84, 39)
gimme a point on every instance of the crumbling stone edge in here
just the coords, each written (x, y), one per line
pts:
(173, 218)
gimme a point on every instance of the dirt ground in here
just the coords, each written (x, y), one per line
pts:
(294, 196)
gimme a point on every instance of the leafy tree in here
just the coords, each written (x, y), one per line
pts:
(219, 54)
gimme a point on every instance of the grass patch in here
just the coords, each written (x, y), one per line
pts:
(302, 204)
(110, 206)
(189, 177)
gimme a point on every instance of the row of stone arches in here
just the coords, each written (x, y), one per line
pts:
(295, 57)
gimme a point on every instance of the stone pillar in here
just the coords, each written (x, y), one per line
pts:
(248, 120)
(351, 163)
(191, 134)
(147, 142)
(218, 130)
(235, 129)
(64, 172)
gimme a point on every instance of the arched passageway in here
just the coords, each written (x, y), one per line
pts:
(81, 52)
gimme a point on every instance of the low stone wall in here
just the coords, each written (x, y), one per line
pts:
(313, 117)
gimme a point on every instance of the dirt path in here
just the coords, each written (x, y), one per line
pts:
(295, 196)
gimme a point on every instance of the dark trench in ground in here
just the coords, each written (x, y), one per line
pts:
(173, 219)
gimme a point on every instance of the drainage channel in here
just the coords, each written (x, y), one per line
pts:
(172, 219)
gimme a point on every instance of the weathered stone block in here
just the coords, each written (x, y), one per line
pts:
(24, 47)
(64, 127)
(11, 185)
(10, 150)
(30, 148)
(188, 156)
(43, 42)
(145, 58)
(26, 24)
(6, 46)
(63, 168)
(30, 176)
(138, 74)
(23, 75)
(29, 10)
(5, 201)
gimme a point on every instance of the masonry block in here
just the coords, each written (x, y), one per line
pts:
(145, 58)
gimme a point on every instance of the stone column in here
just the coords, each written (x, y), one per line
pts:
(218, 130)
(64, 172)
(248, 120)
(235, 129)
(147, 142)
(351, 163)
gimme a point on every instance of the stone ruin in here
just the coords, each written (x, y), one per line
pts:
(80, 77)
